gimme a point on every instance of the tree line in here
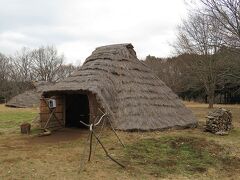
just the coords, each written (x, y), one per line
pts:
(207, 64)
(17, 72)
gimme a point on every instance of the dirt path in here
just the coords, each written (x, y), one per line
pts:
(63, 135)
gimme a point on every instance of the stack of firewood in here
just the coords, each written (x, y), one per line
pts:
(219, 121)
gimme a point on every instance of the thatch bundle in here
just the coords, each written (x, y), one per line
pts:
(219, 121)
(29, 98)
(129, 92)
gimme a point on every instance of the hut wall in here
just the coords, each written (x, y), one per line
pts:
(45, 112)
(93, 107)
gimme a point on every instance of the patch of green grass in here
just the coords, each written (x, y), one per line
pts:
(13, 117)
(235, 133)
(178, 155)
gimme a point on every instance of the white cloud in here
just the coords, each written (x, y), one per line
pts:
(76, 27)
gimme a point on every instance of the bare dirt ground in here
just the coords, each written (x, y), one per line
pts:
(63, 155)
(62, 135)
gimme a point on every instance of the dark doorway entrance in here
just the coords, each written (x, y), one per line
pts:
(77, 109)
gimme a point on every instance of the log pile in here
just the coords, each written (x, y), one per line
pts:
(219, 121)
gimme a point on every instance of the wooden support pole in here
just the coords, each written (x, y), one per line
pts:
(90, 149)
(92, 133)
(91, 127)
(51, 115)
(115, 132)
(106, 151)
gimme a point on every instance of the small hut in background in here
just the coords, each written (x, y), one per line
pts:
(112, 80)
(29, 98)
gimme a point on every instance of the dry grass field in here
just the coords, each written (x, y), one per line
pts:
(170, 154)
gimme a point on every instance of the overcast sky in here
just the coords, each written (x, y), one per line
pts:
(77, 27)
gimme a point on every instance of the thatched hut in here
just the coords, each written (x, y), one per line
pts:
(29, 98)
(114, 81)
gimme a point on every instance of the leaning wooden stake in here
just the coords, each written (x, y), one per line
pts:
(91, 136)
(112, 128)
(92, 133)
(106, 151)
(115, 133)
(90, 149)
(51, 115)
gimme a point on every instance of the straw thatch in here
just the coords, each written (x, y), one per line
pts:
(28, 98)
(133, 96)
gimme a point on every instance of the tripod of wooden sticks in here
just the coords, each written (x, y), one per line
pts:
(93, 134)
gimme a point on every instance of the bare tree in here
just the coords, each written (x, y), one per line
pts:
(18, 71)
(199, 36)
(8, 86)
(65, 71)
(46, 63)
(227, 14)
(4, 67)
(21, 66)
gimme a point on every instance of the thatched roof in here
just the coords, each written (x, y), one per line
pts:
(29, 98)
(133, 96)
